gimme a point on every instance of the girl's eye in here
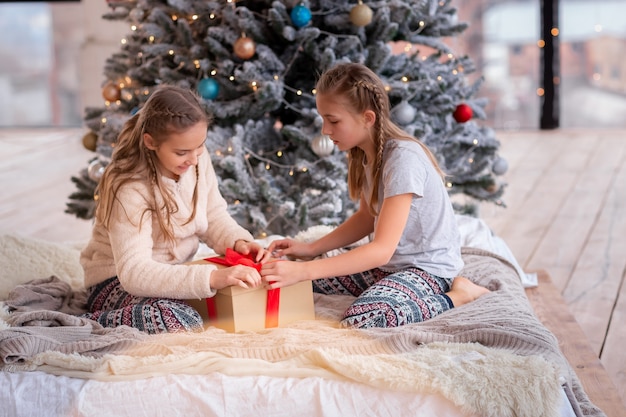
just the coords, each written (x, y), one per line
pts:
(181, 153)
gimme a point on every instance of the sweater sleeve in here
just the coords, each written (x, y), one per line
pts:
(134, 249)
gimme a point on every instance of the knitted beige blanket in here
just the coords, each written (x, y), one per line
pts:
(491, 357)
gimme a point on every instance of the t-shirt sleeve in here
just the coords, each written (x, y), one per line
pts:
(404, 172)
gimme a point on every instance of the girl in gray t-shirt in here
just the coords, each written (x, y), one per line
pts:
(408, 270)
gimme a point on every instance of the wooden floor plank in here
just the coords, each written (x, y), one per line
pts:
(553, 312)
(594, 179)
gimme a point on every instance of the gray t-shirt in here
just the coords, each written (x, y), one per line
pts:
(431, 239)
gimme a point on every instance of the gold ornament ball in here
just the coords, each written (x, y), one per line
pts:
(244, 48)
(111, 91)
(90, 140)
(322, 146)
(361, 15)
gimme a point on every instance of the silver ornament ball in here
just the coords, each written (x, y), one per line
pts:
(404, 113)
(95, 169)
(500, 166)
(322, 145)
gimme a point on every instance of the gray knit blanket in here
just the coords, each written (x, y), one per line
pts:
(491, 357)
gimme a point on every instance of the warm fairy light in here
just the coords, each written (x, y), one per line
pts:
(387, 88)
(455, 72)
(212, 16)
(279, 154)
(171, 52)
(450, 56)
(439, 78)
(151, 38)
(133, 28)
(237, 202)
(475, 141)
(470, 160)
(424, 57)
(305, 169)
(540, 92)
(123, 41)
(404, 79)
(218, 152)
(422, 24)
(408, 47)
(541, 43)
(174, 17)
(194, 17)
(213, 72)
(449, 184)
(254, 85)
(103, 120)
(267, 167)
(299, 92)
(291, 172)
(276, 77)
(554, 31)
(196, 63)
(232, 78)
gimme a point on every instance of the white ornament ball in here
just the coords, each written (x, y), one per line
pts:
(500, 166)
(404, 113)
(322, 145)
(95, 169)
(361, 15)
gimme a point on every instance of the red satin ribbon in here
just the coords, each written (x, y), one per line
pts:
(232, 258)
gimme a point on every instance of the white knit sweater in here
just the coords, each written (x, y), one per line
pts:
(134, 249)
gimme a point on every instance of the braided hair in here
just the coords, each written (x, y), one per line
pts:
(169, 109)
(364, 90)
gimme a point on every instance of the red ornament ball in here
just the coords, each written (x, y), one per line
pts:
(244, 48)
(462, 113)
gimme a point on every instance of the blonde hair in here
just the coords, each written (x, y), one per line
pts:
(363, 90)
(169, 109)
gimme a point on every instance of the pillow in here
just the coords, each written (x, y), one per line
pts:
(24, 259)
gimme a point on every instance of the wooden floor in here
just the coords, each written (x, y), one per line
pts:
(565, 214)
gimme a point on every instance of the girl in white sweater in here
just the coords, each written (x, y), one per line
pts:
(156, 201)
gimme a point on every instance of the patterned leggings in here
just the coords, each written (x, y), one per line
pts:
(389, 299)
(111, 306)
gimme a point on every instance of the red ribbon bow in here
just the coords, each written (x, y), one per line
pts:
(231, 258)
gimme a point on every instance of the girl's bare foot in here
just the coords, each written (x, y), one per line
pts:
(464, 291)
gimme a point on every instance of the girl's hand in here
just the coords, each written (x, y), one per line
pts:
(245, 247)
(291, 248)
(240, 275)
(277, 274)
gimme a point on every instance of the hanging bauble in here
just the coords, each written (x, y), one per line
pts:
(500, 166)
(361, 15)
(95, 169)
(136, 14)
(111, 91)
(90, 140)
(462, 113)
(300, 16)
(244, 47)
(322, 145)
(404, 113)
(208, 88)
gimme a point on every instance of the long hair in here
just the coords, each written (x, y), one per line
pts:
(169, 109)
(364, 90)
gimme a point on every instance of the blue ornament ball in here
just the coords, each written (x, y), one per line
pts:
(208, 88)
(300, 16)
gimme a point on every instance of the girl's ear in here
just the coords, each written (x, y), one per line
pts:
(148, 142)
(369, 118)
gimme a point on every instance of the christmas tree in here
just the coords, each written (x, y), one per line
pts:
(255, 64)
